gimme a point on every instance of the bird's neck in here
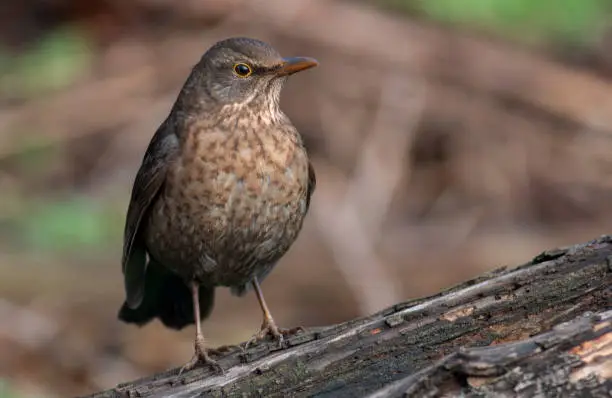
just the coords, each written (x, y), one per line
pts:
(242, 122)
(258, 114)
(234, 116)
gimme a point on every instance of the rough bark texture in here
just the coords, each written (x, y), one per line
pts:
(541, 329)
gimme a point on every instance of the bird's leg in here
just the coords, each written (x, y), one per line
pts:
(201, 352)
(268, 326)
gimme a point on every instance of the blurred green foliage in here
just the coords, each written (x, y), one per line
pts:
(34, 153)
(56, 221)
(569, 21)
(7, 392)
(53, 62)
(67, 225)
(71, 224)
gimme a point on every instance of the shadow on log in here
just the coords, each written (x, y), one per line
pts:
(541, 329)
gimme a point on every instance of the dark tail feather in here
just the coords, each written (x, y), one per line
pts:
(168, 298)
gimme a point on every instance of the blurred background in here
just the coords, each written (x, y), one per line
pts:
(449, 138)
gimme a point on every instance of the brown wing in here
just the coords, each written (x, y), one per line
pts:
(312, 184)
(149, 180)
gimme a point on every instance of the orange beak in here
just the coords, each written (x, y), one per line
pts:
(295, 64)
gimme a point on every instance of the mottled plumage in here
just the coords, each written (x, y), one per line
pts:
(222, 191)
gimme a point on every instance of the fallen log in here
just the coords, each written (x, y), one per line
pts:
(543, 328)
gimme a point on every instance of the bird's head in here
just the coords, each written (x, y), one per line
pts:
(240, 71)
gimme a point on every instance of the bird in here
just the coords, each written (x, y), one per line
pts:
(221, 194)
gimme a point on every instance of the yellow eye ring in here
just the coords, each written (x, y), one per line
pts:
(242, 70)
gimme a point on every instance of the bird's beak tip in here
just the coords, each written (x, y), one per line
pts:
(296, 64)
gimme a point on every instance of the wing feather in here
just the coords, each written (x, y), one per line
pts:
(147, 184)
(312, 184)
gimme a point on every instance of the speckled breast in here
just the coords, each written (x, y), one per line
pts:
(231, 207)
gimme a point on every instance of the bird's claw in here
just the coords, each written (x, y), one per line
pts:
(196, 359)
(269, 328)
(202, 355)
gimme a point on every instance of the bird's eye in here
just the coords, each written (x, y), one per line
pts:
(242, 70)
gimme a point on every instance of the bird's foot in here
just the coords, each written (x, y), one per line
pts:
(201, 356)
(269, 328)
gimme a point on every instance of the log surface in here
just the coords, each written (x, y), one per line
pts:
(543, 328)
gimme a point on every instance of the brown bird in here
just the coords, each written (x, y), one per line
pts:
(221, 194)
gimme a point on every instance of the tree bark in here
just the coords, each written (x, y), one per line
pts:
(540, 329)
